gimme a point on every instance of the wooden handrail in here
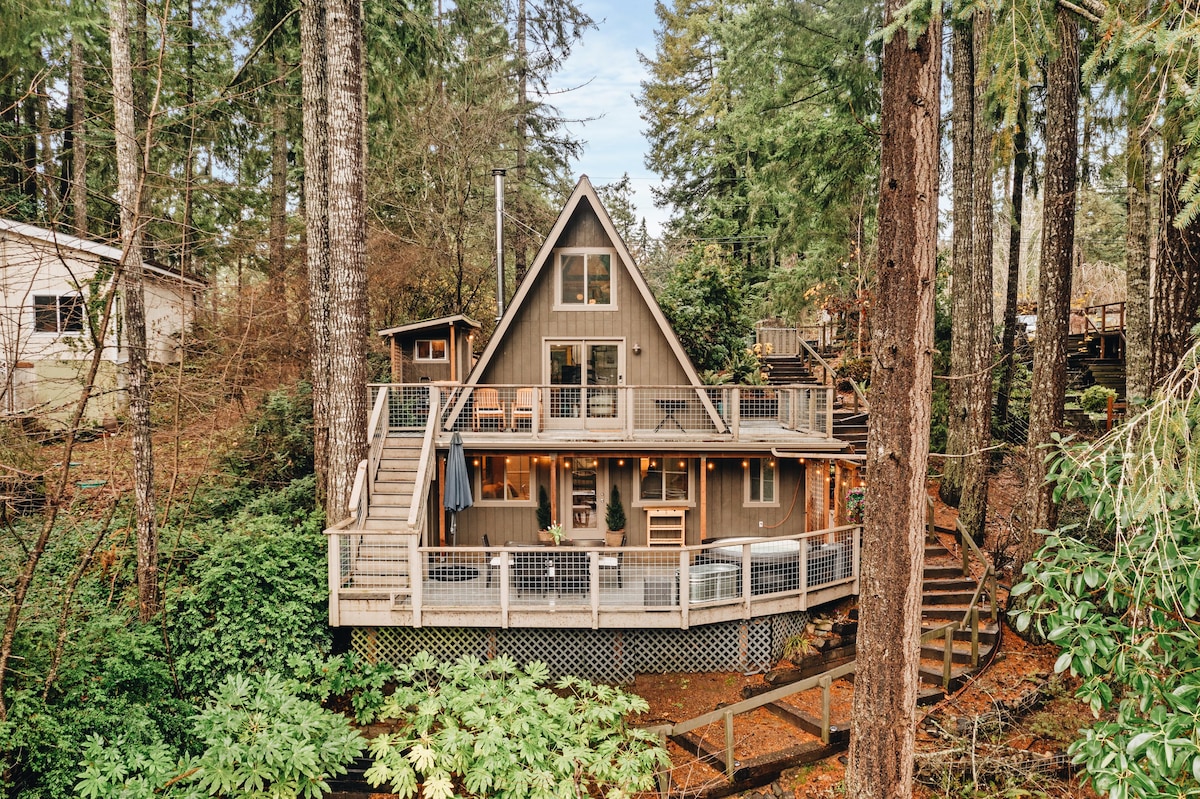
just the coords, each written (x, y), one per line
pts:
(832, 378)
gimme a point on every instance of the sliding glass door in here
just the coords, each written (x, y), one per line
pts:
(583, 377)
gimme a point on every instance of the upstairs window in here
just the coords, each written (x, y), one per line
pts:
(58, 314)
(585, 280)
(431, 350)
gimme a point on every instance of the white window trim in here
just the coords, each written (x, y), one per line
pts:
(504, 502)
(690, 502)
(612, 305)
(445, 348)
(758, 503)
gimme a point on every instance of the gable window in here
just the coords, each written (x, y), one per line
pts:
(760, 481)
(58, 314)
(664, 479)
(503, 479)
(585, 280)
(431, 349)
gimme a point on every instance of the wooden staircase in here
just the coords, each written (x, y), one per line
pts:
(849, 425)
(392, 487)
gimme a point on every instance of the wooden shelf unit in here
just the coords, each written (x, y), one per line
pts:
(665, 526)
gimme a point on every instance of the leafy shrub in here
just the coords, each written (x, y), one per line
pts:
(255, 598)
(1094, 399)
(258, 738)
(856, 369)
(276, 443)
(491, 729)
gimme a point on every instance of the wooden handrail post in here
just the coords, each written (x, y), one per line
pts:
(826, 706)
(974, 636)
(992, 590)
(947, 658)
(729, 761)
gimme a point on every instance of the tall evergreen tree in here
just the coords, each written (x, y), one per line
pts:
(885, 694)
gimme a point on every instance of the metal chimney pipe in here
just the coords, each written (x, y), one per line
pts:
(498, 174)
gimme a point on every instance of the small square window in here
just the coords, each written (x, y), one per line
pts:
(664, 479)
(431, 350)
(585, 279)
(58, 314)
(504, 479)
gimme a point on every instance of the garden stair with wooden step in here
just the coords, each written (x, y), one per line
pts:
(949, 597)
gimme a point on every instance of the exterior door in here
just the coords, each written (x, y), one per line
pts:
(587, 484)
(584, 377)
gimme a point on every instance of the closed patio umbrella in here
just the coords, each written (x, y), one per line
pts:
(458, 484)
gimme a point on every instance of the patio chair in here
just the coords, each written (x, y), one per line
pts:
(487, 407)
(524, 407)
(494, 561)
(614, 561)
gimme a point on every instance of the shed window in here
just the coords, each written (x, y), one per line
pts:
(58, 314)
(585, 279)
(431, 349)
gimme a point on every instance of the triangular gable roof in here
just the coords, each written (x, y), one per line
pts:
(583, 189)
(61, 240)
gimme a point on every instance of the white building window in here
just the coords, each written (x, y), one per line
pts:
(58, 314)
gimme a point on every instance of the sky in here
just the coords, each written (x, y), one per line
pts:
(606, 75)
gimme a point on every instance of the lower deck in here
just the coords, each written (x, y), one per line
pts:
(388, 580)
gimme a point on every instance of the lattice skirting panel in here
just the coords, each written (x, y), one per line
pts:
(613, 656)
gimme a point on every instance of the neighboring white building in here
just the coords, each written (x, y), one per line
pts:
(46, 280)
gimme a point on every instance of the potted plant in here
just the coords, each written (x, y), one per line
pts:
(614, 516)
(855, 500)
(556, 533)
(545, 516)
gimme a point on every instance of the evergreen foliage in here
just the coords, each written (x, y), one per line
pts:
(275, 446)
(254, 598)
(614, 515)
(1122, 603)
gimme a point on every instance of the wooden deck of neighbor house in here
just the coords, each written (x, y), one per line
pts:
(385, 580)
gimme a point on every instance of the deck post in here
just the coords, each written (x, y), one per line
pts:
(804, 572)
(685, 589)
(505, 562)
(594, 587)
(335, 577)
(856, 542)
(416, 577)
(747, 583)
(735, 412)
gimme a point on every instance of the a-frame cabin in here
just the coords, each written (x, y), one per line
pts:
(733, 495)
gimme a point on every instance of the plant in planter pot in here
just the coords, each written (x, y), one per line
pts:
(614, 516)
(855, 500)
(545, 517)
(556, 533)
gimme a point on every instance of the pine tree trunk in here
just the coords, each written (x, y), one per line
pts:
(316, 223)
(347, 263)
(1054, 283)
(977, 429)
(1138, 383)
(78, 118)
(279, 171)
(962, 261)
(885, 687)
(1177, 273)
(129, 191)
(1016, 205)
